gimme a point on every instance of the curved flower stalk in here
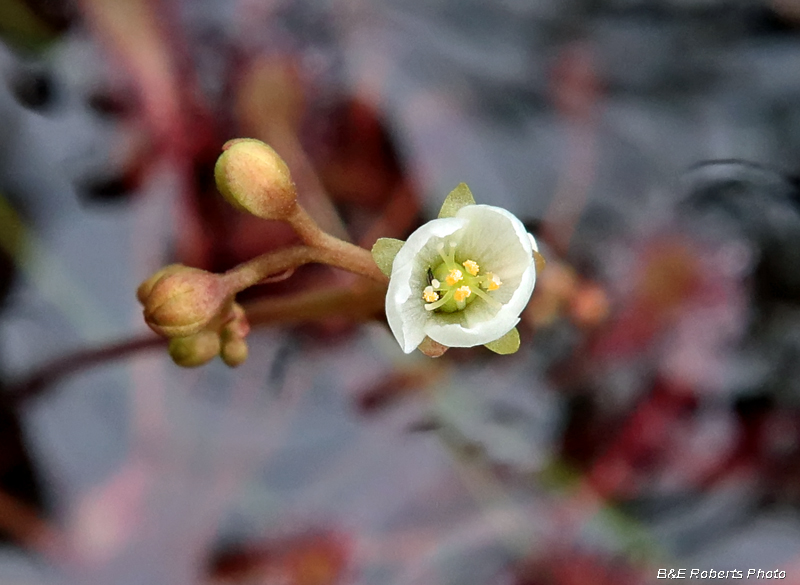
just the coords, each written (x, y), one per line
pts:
(460, 280)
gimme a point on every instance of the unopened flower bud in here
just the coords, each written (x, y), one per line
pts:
(184, 302)
(234, 351)
(194, 350)
(146, 287)
(237, 325)
(253, 178)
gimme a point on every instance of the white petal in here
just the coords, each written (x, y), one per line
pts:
(499, 242)
(534, 245)
(494, 222)
(453, 335)
(406, 321)
(405, 308)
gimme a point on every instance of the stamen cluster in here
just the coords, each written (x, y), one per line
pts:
(452, 284)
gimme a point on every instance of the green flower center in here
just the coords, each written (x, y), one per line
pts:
(453, 285)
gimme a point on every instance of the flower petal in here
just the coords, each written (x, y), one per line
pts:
(499, 242)
(455, 335)
(405, 308)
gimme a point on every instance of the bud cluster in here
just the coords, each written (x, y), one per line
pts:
(196, 311)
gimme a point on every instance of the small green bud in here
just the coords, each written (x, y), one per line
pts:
(254, 178)
(184, 302)
(234, 351)
(195, 350)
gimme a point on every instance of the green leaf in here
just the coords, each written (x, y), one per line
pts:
(459, 197)
(507, 344)
(384, 251)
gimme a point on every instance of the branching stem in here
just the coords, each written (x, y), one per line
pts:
(317, 247)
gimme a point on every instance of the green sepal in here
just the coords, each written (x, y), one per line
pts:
(507, 344)
(459, 197)
(384, 251)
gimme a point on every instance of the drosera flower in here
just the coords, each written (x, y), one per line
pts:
(460, 280)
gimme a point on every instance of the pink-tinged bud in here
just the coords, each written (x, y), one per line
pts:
(237, 326)
(253, 178)
(195, 350)
(184, 302)
(234, 352)
(147, 286)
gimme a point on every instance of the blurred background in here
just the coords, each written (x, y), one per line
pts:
(651, 419)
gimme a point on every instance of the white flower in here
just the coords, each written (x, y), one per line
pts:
(461, 280)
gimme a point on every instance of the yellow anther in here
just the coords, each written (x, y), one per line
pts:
(494, 281)
(462, 293)
(454, 276)
(472, 267)
(430, 295)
